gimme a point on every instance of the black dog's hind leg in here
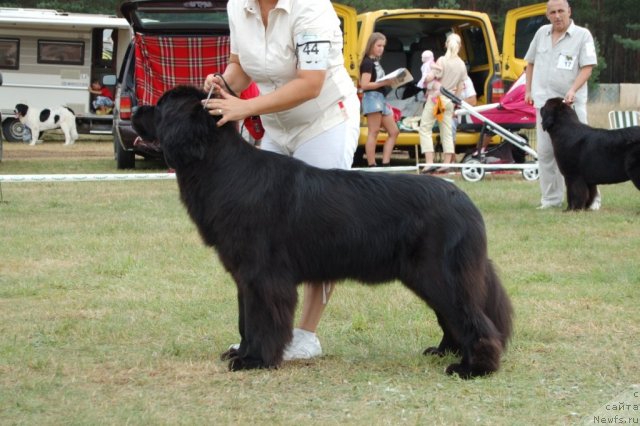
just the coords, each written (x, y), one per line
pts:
(577, 193)
(632, 165)
(487, 322)
(480, 345)
(462, 288)
(268, 310)
(448, 344)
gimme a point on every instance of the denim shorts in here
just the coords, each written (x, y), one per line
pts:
(102, 101)
(374, 101)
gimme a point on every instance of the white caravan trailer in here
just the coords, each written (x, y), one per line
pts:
(49, 58)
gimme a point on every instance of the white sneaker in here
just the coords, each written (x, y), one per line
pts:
(549, 206)
(303, 345)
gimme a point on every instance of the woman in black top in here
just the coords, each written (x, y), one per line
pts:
(374, 106)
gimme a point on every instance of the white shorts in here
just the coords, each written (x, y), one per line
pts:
(331, 149)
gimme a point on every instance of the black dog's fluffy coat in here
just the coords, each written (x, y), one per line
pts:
(277, 222)
(587, 156)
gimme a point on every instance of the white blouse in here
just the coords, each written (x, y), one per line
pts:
(301, 34)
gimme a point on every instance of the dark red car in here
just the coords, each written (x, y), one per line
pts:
(174, 43)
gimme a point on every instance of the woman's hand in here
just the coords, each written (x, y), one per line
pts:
(215, 81)
(228, 107)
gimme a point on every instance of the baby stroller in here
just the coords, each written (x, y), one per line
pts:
(511, 115)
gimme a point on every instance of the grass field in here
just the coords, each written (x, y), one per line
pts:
(113, 312)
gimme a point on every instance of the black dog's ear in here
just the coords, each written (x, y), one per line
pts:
(143, 122)
(547, 118)
(549, 111)
(187, 138)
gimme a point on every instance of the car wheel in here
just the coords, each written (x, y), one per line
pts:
(124, 159)
(470, 173)
(532, 173)
(12, 129)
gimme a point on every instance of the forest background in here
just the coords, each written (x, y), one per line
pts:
(615, 24)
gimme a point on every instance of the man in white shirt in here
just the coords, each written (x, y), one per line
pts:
(559, 63)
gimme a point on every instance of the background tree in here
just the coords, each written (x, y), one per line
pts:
(629, 43)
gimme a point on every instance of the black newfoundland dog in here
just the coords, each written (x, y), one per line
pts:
(587, 156)
(277, 222)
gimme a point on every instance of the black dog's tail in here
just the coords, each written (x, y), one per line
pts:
(498, 307)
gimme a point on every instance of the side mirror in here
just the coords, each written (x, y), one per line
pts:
(109, 80)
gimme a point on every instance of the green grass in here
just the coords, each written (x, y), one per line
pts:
(113, 312)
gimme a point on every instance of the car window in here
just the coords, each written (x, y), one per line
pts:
(151, 19)
(525, 30)
(475, 46)
(154, 16)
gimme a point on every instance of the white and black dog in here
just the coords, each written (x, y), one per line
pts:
(47, 119)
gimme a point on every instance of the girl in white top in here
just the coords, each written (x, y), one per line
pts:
(308, 103)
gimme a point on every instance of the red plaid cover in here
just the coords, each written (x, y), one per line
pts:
(163, 62)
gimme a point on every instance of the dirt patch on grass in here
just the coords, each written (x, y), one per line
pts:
(102, 148)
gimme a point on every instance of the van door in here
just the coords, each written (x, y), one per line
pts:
(348, 17)
(520, 26)
(104, 51)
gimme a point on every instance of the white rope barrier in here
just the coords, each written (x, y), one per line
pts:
(387, 169)
(86, 177)
(115, 177)
(498, 166)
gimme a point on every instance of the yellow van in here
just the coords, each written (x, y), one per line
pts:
(410, 31)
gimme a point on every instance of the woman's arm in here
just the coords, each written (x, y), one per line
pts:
(306, 85)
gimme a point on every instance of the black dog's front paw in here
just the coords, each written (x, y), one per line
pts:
(466, 372)
(437, 351)
(433, 351)
(228, 354)
(462, 371)
(238, 363)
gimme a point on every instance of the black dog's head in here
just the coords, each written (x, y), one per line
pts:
(179, 123)
(555, 110)
(21, 110)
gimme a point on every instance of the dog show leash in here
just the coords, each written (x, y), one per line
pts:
(254, 120)
(226, 86)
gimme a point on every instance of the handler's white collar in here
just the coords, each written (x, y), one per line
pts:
(252, 6)
(568, 32)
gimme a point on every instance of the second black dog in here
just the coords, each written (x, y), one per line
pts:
(277, 222)
(588, 157)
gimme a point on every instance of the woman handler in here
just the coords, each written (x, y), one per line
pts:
(308, 104)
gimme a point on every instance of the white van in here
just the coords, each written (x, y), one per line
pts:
(49, 58)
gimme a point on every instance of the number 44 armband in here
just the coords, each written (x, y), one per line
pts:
(312, 51)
